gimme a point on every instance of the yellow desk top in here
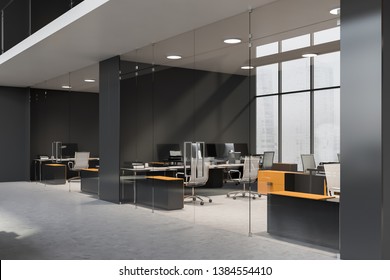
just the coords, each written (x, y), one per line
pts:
(55, 164)
(302, 195)
(164, 178)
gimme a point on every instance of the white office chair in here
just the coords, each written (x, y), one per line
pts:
(198, 177)
(250, 171)
(81, 161)
(332, 173)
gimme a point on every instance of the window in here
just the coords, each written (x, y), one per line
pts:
(327, 125)
(307, 91)
(295, 127)
(267, 79)
(267, 124)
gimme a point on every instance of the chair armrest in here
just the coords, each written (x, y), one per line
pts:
(70, 164)
(235, 171)
(182, 175)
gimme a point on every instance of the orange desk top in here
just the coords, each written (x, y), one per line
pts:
(55, 164)
(91, 169)
(302, 195)
(164, 178)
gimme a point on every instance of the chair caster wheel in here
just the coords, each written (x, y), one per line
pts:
(243, 194)
(193, 199)
(227, 195)
(254, 197)
(234, 197)
(210, 200)
(201, 203)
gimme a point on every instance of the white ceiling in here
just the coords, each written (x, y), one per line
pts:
(99, 29)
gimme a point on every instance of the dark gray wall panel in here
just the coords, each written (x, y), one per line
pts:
(361, 126)
(176, 105)
(45, 11)
(15, 134)
(69, 117)
(386, 133)
(109, 129)
(16, 23)
(84, 122)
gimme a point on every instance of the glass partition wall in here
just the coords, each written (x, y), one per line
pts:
(192, 88)
(250, 94)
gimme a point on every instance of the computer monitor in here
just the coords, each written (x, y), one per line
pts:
(211, 150)
(164, 151)
(69, 149)
(234, 157)
(242, 148)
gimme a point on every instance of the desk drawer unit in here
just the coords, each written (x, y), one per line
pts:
(270, 181)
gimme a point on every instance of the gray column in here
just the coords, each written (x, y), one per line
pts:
(109, 129)
(365, 168)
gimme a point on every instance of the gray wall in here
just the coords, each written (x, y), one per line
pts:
(109, 126)
(14, 134)
(68, 117)
(174, 105)
(364, 207)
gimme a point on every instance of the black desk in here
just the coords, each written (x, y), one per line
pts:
(54, 173)
(90, 180)
(304, 217)
(160, 192)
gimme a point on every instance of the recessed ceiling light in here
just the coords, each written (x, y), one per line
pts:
(309, 55)
(335, 11)
(89, 80)
(232, 41)
(66, 87)
(174, 56)
(247, 67)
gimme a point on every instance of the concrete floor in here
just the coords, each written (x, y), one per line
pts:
(49, 222)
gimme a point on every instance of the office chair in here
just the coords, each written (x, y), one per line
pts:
(249, 175)
(308, 162)
(268, 160)
(81, 161)
(332, 174)
(198, 177)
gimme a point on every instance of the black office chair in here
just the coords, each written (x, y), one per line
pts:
(81, 161)
(249, 175)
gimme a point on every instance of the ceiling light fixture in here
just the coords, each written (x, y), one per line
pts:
(335, 11)
(174, 57)
(247, 67)
(89, 80)
(66, 87)
(232, 41)
(309, 55)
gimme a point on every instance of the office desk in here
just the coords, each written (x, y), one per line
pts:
(55, 173)
(160, 192)
(216, 172)
(304, 217)
(39, 162)
(274, 180)
(90, 180)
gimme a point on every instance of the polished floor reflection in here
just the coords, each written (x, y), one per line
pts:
(49, 222)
